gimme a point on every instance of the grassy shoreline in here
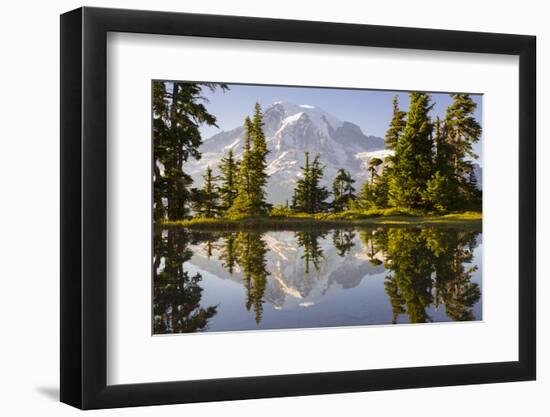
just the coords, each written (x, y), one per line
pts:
(289, 222)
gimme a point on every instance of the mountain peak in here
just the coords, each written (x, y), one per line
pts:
(322, 120)
(291, 130)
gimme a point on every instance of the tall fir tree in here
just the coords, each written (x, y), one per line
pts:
(252, 174)
(343, 191)
(259, 163)
(374, 192)
(309, 195)
(377, 195)
(413, 164)
(397, 126)
(228, 177)
(206, 200)
(178, 112)
(442, 149)
(242, 204)
(301, 200)
(319, 193)
(381, 191)
(462, 130)
(441, 189)
(364, 198)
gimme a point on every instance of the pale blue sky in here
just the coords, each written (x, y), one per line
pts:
(370, 109)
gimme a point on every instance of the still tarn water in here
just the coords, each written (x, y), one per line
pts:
(256, 280)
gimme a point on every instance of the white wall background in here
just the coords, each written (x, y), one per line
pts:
(29, 225)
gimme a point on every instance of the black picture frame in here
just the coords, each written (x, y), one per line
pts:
(84, 207)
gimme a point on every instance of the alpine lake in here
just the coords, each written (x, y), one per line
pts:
(219, 281)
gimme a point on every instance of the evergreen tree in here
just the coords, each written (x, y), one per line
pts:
(380, 188)
(397, 126)
(474, 195)
(302, 193)
(438, 194)
(206, 200)
(442, 157)
(242, 204)
(309, 195)
(365, 198)
(462, 130)
(441, 188)
(259, 163)
(319, 193)
(374, 193)
(413, 161)
(378, 194)
(178, 111)
(252, 174)
(343, 191)
(228, 176)
(374, 163)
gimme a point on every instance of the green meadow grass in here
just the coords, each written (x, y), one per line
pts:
(288, 220)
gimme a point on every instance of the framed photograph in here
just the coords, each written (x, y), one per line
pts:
(256, 208)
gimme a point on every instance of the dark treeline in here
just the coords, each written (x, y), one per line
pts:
(428, 267)
(431, 167)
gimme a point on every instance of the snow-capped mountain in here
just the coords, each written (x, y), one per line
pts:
(291, 130)
(288, 283)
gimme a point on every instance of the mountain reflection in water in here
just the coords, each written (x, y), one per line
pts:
(251, 280)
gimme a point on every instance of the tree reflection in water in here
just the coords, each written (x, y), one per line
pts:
(342, 239)
(426, 268)
(251, 251)
(176, 295)
(309, 241)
